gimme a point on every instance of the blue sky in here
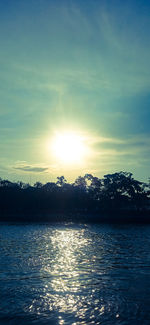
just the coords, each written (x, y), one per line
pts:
(82, 65)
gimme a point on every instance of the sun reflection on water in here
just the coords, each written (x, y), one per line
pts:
(64, 270)
(66, 279)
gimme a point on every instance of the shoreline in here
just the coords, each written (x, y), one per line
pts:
(108, 216)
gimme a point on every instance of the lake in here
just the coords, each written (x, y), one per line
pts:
(74, 274)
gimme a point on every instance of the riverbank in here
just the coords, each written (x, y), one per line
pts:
(108, 216)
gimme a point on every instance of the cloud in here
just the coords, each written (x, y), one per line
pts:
(99, 140)
(31, 168)
(137, 140)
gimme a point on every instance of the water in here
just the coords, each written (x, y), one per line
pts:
(74, 274)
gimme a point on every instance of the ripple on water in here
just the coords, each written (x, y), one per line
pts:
(74, 274)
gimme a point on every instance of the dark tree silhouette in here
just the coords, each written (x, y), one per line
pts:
(38, 185)
(115, 194)
(61, 180)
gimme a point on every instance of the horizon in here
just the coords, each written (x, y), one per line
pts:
(33, 182)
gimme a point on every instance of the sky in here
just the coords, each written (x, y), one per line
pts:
(74, 65)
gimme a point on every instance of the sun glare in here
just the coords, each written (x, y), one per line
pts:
(69, 148)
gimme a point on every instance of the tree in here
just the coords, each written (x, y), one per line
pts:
(38, 185)
(80, 182)
(61, 180)
(50, 187)
(95, 186)
(122, 190)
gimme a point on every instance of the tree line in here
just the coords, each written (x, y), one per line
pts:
(89, 197)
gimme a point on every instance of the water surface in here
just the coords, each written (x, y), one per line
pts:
(74, 274)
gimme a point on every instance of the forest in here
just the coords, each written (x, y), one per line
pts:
(115, 197)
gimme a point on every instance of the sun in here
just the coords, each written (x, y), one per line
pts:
(69, 148)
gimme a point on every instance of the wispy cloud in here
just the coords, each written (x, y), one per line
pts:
(140, 140)
(23, 166)
(120, 59)
(32, 169)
